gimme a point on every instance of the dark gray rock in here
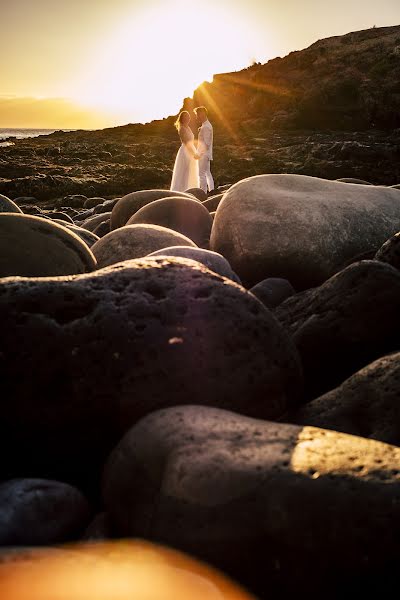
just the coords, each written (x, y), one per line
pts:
(92, 222)
(61, 216)
(36, 247)
(197, 193)
(102, 229)
(345, 324)
(36, 512)
(273, 291)
(25, 200)
(99, 528)
(88, 237)
(268, 503)
(213, 261)
(367, 404)
(7, 205)
(92, 202)
(74, 200)
(185, 215)
(107, 206)
(213, 202)
(390, 252)
(83, 358)
(129, 204)
(300, 228)
(135, 241)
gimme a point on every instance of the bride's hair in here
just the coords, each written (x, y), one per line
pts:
(178, 122)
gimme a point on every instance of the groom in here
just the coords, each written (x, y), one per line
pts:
(204, 149)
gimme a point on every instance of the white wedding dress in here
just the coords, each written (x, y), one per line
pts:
(186, 169)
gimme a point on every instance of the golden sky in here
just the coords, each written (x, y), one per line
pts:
(97, 63)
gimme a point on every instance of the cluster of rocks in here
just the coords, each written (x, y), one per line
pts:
(112, 162)
(218, 374)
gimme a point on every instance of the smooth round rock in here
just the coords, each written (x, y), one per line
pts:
(187, 216)
(37, 512)
(88, 237)
(354, 180)
(263, 501)
(366, 404)
(35, 247)
(60, 216)
(197, 193)
(135, 241)
(92, 202)
(300, 228)
(7, 205)
(102, 229)
(213, 202)
(390, 252)
(273, 291)
(107, 206)
(93, 222)
(121, 342)
(213, 261)
(129, 204)
(345, 324)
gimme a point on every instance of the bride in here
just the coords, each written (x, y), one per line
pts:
(186, 168)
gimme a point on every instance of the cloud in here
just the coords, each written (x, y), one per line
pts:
(50, 113)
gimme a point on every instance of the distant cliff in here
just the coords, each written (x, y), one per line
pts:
(348, 82)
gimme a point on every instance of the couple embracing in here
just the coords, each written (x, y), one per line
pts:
(192, 164)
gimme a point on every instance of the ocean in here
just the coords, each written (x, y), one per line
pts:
(27, 133)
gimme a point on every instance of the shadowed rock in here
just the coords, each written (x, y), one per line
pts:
(265, 502)
(213, 202)
(345, 324)
(197, 193)
(366, 404)
(36, 512)
(92, 222)
(124, 341)
(273, 291)
(187, 216)
(36, 247)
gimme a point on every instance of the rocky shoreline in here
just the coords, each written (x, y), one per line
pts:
(112, 162)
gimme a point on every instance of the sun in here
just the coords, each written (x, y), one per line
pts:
(154, 59)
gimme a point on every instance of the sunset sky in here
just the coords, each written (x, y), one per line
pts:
(98, 63)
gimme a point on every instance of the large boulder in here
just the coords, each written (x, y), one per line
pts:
(270, 504)
(7, 205)
(187, 216)
(300, 228)
(34, 512)
(129, 204)
(366, 404)
(212, 260)
(135, 241)
(36, 247)
(83, 358)
(390, 252)
(345, 324)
